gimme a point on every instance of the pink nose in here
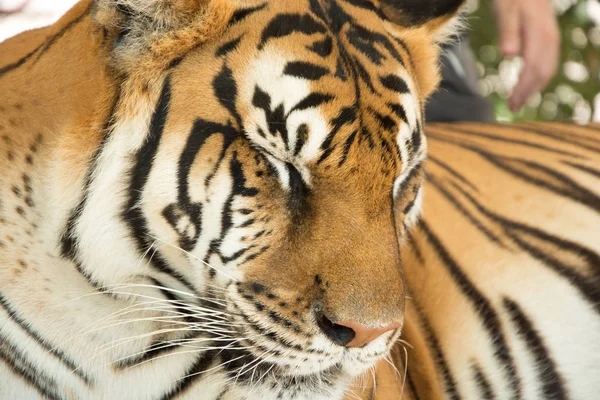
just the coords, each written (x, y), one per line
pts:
(353, 334)
(364, 335)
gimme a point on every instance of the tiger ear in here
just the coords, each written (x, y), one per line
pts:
(157, 32)
(434, 15)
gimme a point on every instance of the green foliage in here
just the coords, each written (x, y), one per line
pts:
(570, 95)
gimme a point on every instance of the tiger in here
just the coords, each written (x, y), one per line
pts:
(221, 200)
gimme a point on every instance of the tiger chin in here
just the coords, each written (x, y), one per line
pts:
(205, 198)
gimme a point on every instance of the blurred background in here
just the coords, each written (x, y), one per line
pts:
(573, 95)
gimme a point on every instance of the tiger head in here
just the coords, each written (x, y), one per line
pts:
(263, 161)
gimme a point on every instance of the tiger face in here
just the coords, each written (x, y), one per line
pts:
(270, 172)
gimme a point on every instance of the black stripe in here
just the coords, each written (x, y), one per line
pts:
(361, 72)
(323, 48)
(552, 383)
(496, 138)
(592, 128)
(369, 6)
(19, 63)
(313, 100)
(399, 111)
(266, 334)
(518, 232)
(226, 91)
(417, 12)
(386, 122)
(563, 135)
(255, 255)
(55, 38)
(412, 387)
(485, 388)
(440, 360)
(346, 150)
(144, 160)
(200, 133)
(367, 42)
(533, 173)
(91, 281)
(286, 24)
(412, 243)
(365, 5)
(346, 116)
(452, 172)
(159, 348)
(242, 14)
(404, 46)
(20, 365)
(414, 172)
(476, 223)
(223, 394)
(275, 115)
(299, 193)
(362, 40)
(305, 70)
(236, 364)
(155, 350)
(416, 138)
(239, 188)
(192, 375)
(45, 46)
(228, 47)
(68, 237)
(584, 168)
(482, 306)
(395, 83)
(35, 335)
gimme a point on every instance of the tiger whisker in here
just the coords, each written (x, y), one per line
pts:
(133, 294)
(194, 306)
(141, 308)
(207, 319)
(116, 343)
(405, 371)
(177, 342)
(352, 394)
(251, 366)
(196, 258)
(210, 369)
(196, 327)
(405, 343)
(182, 353)
(121, 341)
(372, 370)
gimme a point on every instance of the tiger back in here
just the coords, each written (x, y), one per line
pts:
(203, 198)
(503, 270)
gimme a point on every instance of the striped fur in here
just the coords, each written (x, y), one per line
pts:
(192, 189)
(503, 270)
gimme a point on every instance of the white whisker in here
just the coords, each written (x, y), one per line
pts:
(196, 258)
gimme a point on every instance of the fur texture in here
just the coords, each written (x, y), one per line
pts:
(196, 196)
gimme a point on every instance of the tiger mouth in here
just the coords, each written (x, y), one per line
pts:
(279, 350)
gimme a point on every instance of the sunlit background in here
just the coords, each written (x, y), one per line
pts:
(573, 95)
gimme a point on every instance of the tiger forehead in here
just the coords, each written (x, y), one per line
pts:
(341, 61)
(309, 83)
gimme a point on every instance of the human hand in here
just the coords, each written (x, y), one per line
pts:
(12, 6)
(529, 28)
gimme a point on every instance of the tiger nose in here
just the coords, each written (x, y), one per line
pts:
(353, 334)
